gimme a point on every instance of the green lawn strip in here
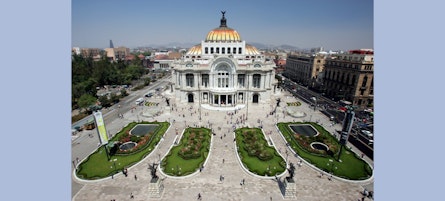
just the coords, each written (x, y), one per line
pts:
(276, 165)
(173, 164)
(351, 167)
(97, 166)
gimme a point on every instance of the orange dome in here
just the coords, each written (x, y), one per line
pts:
(225, 34)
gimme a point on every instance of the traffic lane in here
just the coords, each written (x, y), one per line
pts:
(363, 147)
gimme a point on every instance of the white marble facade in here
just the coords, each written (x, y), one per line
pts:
(223, 71)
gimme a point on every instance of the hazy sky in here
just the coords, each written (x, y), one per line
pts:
(332, 24)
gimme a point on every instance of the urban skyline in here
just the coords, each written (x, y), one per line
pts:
(339, 25)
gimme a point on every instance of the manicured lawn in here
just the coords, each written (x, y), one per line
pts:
(263, 160)
(190, 153)
(351, 167)
(98, 166)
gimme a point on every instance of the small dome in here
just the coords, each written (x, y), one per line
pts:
(251, 50)
(195, 50)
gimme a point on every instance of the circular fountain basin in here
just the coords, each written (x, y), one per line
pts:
(127, 146)
(319, 146)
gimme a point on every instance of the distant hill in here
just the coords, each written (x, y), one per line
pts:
(281, 47)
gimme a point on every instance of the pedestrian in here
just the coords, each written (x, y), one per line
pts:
(199, 196)
(223, 160)
(243, 181)
(135, 177)
(131, 196)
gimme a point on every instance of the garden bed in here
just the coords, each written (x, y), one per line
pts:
(190, 153)
(256, 155)
(98, 165)
(351, 166)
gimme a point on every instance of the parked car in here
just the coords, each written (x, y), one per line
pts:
(149, 95)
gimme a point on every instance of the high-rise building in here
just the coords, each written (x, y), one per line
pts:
(350, 77)
(223, 71)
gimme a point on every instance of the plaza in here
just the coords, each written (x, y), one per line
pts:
(222, 161)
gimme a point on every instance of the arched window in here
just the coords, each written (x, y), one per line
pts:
(211, 50)
(222, 76)
(206, 50)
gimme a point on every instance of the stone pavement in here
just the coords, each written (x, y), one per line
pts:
(309, 185)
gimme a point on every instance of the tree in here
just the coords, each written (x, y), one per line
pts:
(123, 93)
(104, 101)
(85, 101)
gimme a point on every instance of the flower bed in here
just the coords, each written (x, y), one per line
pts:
(256, 155)
(190, 154)
(98, 165)
(350, 166)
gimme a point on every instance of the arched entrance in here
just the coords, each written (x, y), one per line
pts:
(255, 98)
(190, 98)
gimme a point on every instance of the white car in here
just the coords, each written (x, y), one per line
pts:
(367, 133)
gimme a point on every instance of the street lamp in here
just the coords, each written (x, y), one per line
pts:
(315, 101)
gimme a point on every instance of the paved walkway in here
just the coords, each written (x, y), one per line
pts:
(309, 185)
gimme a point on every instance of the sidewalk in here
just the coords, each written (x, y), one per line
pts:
(207, 182)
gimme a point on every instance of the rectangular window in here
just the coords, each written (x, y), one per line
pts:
(256, 81)
(239, 50)
(189, 80)
(241, 78)
(205, 80)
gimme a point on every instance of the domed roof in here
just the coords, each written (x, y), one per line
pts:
(195, 50)
(223, 33)
(251, 50)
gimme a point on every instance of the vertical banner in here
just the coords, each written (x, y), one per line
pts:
(100, 126)
(347, 126)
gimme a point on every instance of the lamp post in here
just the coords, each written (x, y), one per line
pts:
(315, 101)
